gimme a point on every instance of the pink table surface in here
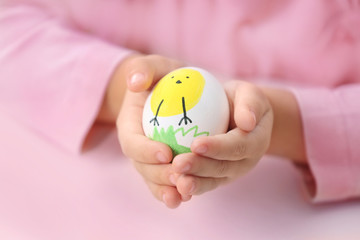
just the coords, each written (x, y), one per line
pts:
(48, 193)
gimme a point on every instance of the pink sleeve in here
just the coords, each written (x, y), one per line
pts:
(52, 77)
(331, 122)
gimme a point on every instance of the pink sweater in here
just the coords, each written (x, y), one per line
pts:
(56, 58)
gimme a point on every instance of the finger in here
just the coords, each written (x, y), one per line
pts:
(151, 152)
(192, 164)
(145, 71)
(236, 144)
(131, 135)
(231, 146)
(250, 104)
(191, 185)
(168, 195)
(161, 174)
(186, 198)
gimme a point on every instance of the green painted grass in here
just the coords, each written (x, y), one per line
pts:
(168, 137)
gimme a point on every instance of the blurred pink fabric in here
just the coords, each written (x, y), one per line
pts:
(56, 58)
(47, 193)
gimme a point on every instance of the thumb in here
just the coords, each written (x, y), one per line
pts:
(145, 71)
(250, 105)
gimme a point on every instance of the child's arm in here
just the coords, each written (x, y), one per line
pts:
(52, 76)
(320, 127)
(330, 121)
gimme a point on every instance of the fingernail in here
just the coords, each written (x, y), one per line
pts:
(137, 79)
(201, 150)
(161, 157)
(185, 168)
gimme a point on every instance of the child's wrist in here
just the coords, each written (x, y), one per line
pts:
(114, 94)
(287, 134)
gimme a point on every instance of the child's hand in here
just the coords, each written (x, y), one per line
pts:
(151, 159)
(219, 159)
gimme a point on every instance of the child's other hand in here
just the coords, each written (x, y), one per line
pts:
(221, 158)
(151, 159)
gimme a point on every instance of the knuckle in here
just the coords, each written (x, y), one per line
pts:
(132, 61)
(239, 151)
(135, 63)
(215, 147)
(222, 168)
(155, 57)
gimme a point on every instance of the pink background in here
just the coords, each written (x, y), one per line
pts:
(48, 193)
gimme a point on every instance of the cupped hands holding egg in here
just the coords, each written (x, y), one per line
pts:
(186, 103)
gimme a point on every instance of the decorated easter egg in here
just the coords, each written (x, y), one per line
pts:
(185, 104)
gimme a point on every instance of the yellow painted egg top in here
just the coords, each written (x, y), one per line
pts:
(179, 89)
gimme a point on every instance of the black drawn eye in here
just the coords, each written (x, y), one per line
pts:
(172, 77)
(187, 77)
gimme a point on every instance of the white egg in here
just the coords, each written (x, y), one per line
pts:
(185, 104)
